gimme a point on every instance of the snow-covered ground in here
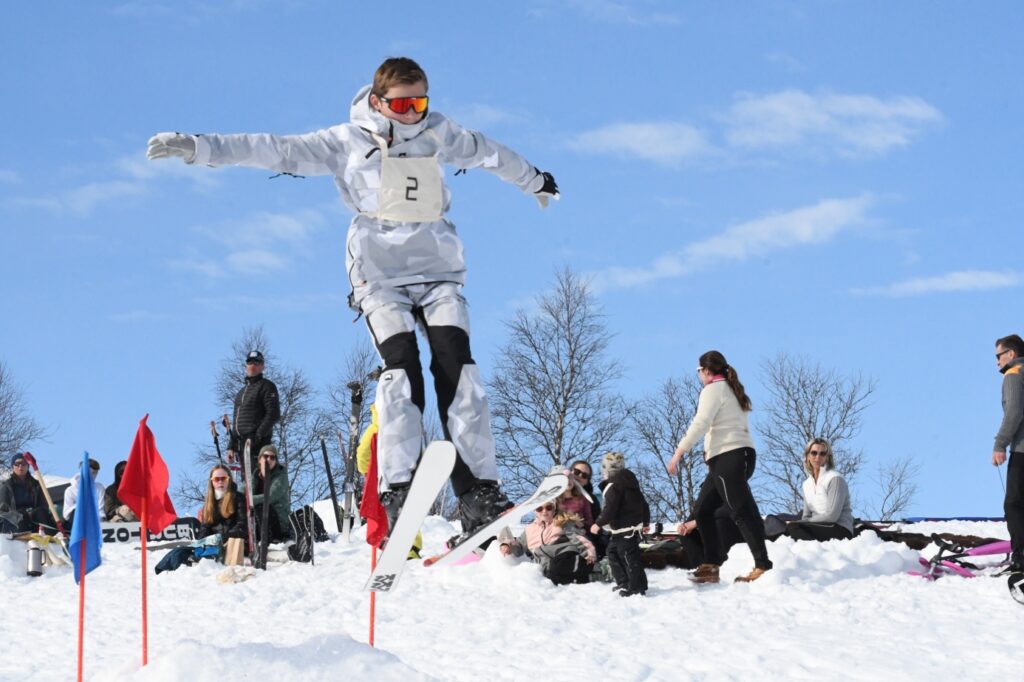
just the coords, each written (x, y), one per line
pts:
(837, 610)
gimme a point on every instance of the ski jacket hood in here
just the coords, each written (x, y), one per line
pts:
(371, 120)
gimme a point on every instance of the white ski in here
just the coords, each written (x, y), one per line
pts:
(434, 469)
(549, 489)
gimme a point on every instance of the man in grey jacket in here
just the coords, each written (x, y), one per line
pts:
(404, 261)
(1010, 360)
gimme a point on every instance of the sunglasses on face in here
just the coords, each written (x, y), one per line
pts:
(401, 105)
(273, 457)
(546, 508)
(218, 479)
(254, 362)
(1002, 353)
(818, 453)
(580, 473)
(20, 464)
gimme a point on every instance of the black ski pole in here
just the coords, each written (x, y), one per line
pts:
(264, 516)
(216, 441)
(330, 482)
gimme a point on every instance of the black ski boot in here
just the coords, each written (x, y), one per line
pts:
(478, 506)
(393, 501)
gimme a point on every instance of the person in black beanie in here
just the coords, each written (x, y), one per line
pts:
(625, 513)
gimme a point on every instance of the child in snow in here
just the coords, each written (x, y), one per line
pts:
(404, 261)
(572, 501)
(626, 514)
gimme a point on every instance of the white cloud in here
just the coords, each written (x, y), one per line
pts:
(257, 243)
(964, 280)
(809, 225)
(666, 143)
(610, 12)
(851, 125)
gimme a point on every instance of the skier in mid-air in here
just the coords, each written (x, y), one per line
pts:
(404, 260)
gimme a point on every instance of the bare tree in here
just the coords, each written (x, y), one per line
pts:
(806, 401)
(659, 421)
(551, 396)
(446, 505)
(896, 488)
(17, 426)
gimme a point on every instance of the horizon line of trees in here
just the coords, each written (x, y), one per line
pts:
(553, 399)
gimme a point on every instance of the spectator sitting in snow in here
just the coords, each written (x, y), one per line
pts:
(275, 491)
(625, 513)
(583, 474)
(113, 508)
(555, 542)
(222, 512)
(71, 494)
(22, 505)
(827, 514)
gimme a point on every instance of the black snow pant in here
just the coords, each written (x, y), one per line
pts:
(626, 562)
(817, 532)
(726, 485)
(1013, 505)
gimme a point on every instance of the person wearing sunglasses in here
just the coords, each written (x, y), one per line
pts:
(556, 543)
(1010, 361)
(223, 510)
(257, 408)
(22, 505)
(404, 259)
(271, 486)
(722, 421)
(71, 493)
(827, 513)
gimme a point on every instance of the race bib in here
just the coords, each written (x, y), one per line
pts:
(411, 190)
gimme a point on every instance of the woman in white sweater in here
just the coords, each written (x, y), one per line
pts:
(827, 513)
(721, 420)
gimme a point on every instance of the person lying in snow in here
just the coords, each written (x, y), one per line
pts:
(555, 541)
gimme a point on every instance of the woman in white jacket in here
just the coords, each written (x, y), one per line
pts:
(827, 514)
(721, 420)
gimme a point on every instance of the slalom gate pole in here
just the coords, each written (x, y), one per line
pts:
(145, 612)
(81, 604)
(373, 597)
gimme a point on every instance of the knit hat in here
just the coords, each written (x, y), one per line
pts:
(17, 458)
(612, 463)
(268, 450)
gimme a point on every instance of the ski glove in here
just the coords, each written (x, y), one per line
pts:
(549, 190)
(163, 145)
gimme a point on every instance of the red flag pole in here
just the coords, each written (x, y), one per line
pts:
(373, 597)
(144, 528)
(81, 605)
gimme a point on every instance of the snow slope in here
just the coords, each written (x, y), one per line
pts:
(838, 610)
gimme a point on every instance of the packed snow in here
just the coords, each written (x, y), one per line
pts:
(837, 610)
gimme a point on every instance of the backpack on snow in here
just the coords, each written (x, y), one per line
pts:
(307, 527)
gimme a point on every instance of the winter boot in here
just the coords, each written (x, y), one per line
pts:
(705, 574)
(479, 505)
(752, 576)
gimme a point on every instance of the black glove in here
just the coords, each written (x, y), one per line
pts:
(549, 190)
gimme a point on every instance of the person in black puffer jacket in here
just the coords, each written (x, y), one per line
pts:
(625, 513)
(257, 409)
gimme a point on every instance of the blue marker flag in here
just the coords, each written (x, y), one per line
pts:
(86, 527)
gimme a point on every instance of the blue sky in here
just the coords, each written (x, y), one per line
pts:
(836, 180)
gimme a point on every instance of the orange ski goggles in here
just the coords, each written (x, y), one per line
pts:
(401, 105)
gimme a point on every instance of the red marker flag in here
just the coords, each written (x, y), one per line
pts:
(370, 507)
(144, 484)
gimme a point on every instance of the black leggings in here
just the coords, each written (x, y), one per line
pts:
(726, 485)
(817, 532)
(1013, 505)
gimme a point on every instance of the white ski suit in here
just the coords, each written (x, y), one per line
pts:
(405, 264)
